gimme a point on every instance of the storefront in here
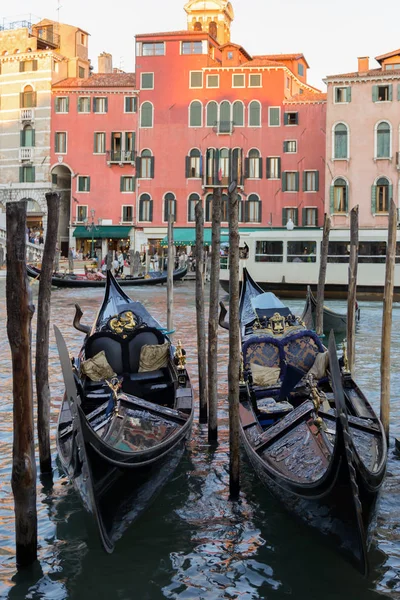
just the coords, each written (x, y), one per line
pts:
(102, 238)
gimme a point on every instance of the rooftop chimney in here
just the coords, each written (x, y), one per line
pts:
(363, 64)
(105, 63)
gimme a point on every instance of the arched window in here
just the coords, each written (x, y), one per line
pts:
(146, 115)
(254, 164)
(194, 164)
(341, 141)
(224, 208)
(339, 196)
(254, 114)
(209, 199)
(212, 114)
(223, 173)
(212, 29)
(28, 97)
(241, 209)
(169, 205)
(212, 166)
(238, 113)
(192, 201)
(195, 114)
(383, 140)
(145, 208)
(382, 192)
(253, 209)
(145, 165)
(225, 125)
(237, 165)
(198, 26)
(27, 137)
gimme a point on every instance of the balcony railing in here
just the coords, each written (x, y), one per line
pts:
(46, 35)
(120, 157)
(26, 153)
(223, 127)
(27, 114)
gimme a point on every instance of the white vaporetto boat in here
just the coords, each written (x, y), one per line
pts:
(286, 262)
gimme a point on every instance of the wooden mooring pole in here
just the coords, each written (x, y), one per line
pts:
(19, 317)
(200, 314)
(234, 345)
(387, 318)
(42, 333)
(170, 270)
(319, 316)
(213, 318)
(352, 291)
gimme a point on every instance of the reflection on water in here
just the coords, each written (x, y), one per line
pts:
(192, 542)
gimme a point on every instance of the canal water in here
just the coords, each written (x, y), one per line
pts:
(193, 543)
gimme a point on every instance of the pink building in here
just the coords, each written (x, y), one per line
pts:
(362, 142)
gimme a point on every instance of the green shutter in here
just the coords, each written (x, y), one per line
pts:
(285, 118)
(347, 198)
(268, 168)
(316, 217)
(246, 168)
(373, 199)
(296, 180)
(284, 217)
(390, 194)
(374, 93)
(121, 184)
(348, 94)
(138, 166)
(317, 181)
(33, 138)
(140, 210)
(33, 171)
(94, 104)
(21, 174)
(279, 166)
(259, 212)
(284, 146)
(152, 167)
(296, 216)
(22, 138)
(106, 105)
(94, 143)
(187, 166)
(390, 91)
(151, 211)
(304, 181)
(79, 105)
(88, 186)
(67, 103)
(303, 217)
(332, 199)
(260, 168)
(297, 118)
(284, 183)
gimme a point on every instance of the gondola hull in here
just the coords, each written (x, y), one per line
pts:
(331, 319)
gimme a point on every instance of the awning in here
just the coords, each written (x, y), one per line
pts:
(186, 236)
(114, 232)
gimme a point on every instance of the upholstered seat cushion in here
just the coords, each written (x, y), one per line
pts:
(153, 357)
(112, 348)
(98, 368)
(264, 376)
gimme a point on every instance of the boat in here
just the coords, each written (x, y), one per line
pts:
(126, 414)
(92, 279)
(309, 431)
(331, 319)
(286, 262)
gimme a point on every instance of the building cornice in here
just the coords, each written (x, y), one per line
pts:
(99, 91)
(362, 78)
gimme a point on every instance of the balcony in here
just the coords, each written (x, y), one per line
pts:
(26, 153)
(27, 114)
(223, 127)
(120, 157)
(47, 36)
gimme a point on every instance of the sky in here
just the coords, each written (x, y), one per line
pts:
(331, 35)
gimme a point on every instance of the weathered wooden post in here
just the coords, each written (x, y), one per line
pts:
(148, 258)
(19, 317)
(56, 263)
(137, 264)
(213, 318)
(319, 317)
(109, 260)
(132, 262)
(200, 314)
(234, 344)
(70, 258)
(42, 333)
(170, 270)
(352, 292)
(387, 318)
(1, 256)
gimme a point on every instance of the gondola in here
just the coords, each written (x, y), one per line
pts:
(126, 414)
(331, 319)
(95, 280)
(307, 428)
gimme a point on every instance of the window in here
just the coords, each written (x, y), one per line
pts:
(391, 67)
(99, 146)
(194, 164)
(27, 137)
(81, 72)
(342, 94)
(130, 105)
(300, 69)
(169, 206)
(100, 105)
(311, 181)
(127, 214)
(28, 97)
(254, 114)
(382, 192)
(301, 251)
(290, 181)
(273, 167)
(229, 55)
(382, 93)
(145, 165)
(61, 104)
(291, 118)
(237, 163)
(147, 81)
(290, 212)
(241, 209)
(212, 113)
(192, 47)
(126, 184)
(195, 79)
(145, 208)
(274, 116)
(310, 217)
(60, 146)
(253, 209)
(195, 114)
(225, 123)
(339, 196)
(83, 105)
(383, 135)
(238, 80)
(83, 183)
(27, 174)
(238, 113)
(193, 200)
(153, 49)
(28, 65)
(269, 251)
(213, 81)
(83, 39)
(223, 172)
(290, 146)
(146, 115)
(255, 80)
(340, 141)
(372, 252)
(253, 165)
(81, 213)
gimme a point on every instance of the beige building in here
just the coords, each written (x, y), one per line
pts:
(32, 58)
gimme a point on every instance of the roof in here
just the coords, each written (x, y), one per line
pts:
(361, 74)
(99, 80)
(262, 62)
(284, 57)
(232, 45)
(185, 32)
(387, 55)
(308, 96)
(116, 232)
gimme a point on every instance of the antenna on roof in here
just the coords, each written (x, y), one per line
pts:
(58, 10)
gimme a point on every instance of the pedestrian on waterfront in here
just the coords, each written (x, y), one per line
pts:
(155, 261)
(120, 263)
(115, 264)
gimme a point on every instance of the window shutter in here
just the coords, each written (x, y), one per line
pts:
(268, 168)
(296, 181)
(259, 212)
(390, 194)
(166, 215)
(348, 94)
(347, 198)
(33, 137)
(34, 99)
(151, 211)
(246, 168)
(94, 142)
(67, 103)
(285, 118)
(21, 99)
(138, 166)
(374, 93)
(296, 216)
(317, 181)
(332, 199)
(260, 167)
(152, 167)
(21, 66)
(303, 217)
(22, 138)
(175, 211)
(135, 104)
(279, 166)
(187, 166)
(284, 184)
(373, 199)
(304, 181)
(140, 210)
(285, 146)
(34, 65)
(79, 105)
(55, 143)
(94, 104)
(133, 183)
(21, 174)
(106, 105)
(215, 167)
(316, 217)
(121, 184)
(297, 118)
(88, 184)
(246, 211)
(284, 217)
(390, 91)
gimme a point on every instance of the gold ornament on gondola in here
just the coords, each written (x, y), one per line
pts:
(123, 323)
(180, 356)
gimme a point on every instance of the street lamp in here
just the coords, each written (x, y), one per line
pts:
(92, 227)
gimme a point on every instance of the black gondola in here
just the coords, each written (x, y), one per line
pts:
(96, 280)
(331, 319)
(124, 421)
(309, 431)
